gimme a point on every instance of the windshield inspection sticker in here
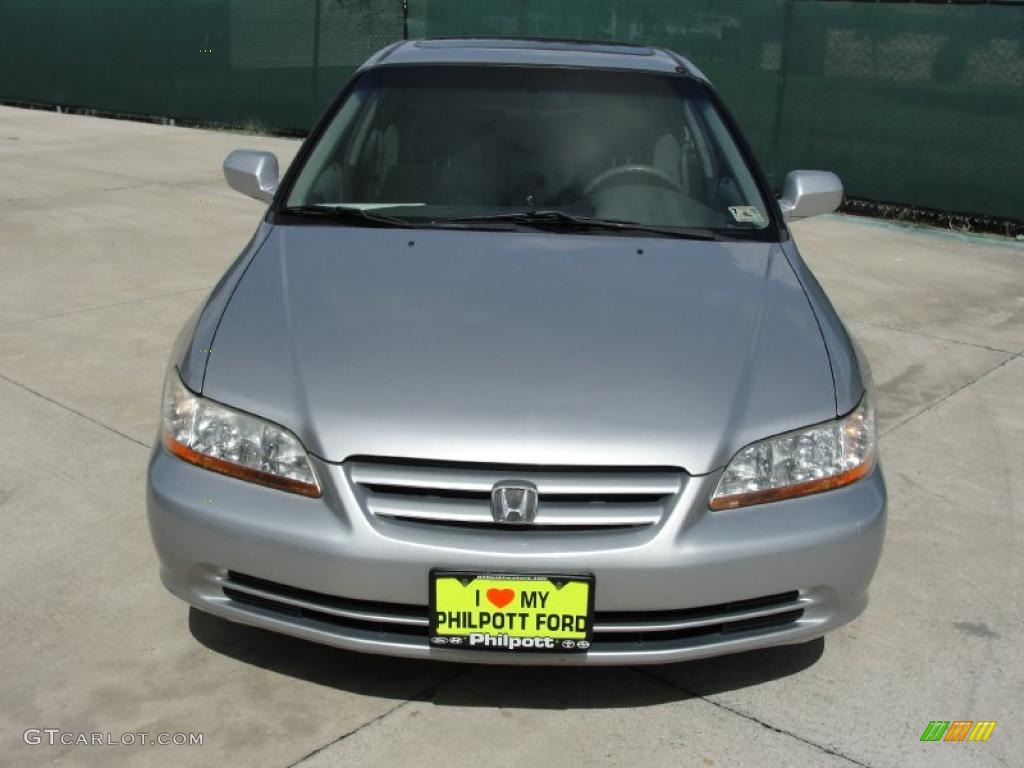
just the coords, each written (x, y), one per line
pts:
(746, 214)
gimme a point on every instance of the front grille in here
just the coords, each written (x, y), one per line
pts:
(618, 629)
(460, 494)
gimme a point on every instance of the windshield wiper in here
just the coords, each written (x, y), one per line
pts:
(561, 221)
(555, 221)
(351, 215)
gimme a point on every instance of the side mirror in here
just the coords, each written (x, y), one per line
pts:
(253, 173)
(810, 193)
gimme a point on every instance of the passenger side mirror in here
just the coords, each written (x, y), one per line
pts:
(810, 193)
(252, 172)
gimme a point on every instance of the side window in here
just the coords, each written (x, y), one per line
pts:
(378, 154)
(361, 152)
(358, 143)
(735, 186)
(705, 156)
(698, 156)
(327, 185)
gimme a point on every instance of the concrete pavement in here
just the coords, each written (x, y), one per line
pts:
(111, 232)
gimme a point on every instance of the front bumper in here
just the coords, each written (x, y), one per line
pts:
(697, 584)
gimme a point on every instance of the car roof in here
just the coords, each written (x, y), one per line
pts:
(532, 52)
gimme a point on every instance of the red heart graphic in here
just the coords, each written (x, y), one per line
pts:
(501, 597)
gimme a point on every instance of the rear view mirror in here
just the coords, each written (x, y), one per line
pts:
(810, 193)
(252, 172)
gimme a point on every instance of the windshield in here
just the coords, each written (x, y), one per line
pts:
(433, 144)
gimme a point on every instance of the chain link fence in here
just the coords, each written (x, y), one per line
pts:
(909, 102)
(262, 64)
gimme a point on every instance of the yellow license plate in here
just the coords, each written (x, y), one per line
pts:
(511, 612)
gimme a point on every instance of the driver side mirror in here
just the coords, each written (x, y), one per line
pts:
(810, 193)
(252, 172)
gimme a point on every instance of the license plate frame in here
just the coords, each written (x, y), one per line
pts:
(531, 634)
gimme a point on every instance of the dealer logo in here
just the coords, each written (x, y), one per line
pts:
(514, 501)
(958, 730)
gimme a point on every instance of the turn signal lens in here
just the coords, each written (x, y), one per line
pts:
(221, 439)
(802, 462)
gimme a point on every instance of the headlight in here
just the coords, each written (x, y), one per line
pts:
(810, 460)
(234, 443)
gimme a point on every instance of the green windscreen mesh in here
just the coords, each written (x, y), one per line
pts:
(909, 102)
(263, 63)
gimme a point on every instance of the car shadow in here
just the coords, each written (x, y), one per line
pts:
(476, 685)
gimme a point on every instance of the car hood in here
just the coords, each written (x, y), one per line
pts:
(522, 348)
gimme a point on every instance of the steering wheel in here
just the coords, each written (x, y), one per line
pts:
(657, 174)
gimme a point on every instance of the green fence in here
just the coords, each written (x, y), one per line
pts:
(916, 103)
(265, 63)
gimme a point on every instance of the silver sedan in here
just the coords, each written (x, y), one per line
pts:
(521, 365)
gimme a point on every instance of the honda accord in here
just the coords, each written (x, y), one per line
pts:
(521, 365)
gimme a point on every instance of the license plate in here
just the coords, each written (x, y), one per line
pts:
(538, 613)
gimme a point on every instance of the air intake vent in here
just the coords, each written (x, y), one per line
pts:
(613, 630)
